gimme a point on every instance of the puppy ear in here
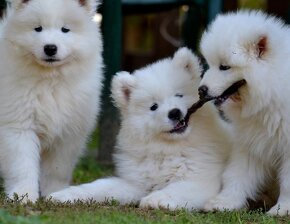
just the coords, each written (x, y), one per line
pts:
(18, 4)
(90, 5)
(261, 46)
(122, 86)
(185, 59)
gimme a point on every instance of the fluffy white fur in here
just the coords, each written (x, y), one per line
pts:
(155, 167)
(48, 103)
(256, 47)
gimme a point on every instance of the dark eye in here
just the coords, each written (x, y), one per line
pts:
(38, 29)
(154, 107)
(65, 30)
(224, 67)
(179, 95)
(205, 67)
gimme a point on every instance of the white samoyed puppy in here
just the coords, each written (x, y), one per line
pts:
(160, 161)
(249, 76)
(50, 82)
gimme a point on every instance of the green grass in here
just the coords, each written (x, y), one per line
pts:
(48, 212)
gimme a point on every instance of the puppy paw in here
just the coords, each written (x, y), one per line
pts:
(223, 204)
(62, 196)
(23, 195)
(159, 200)
(280, 209)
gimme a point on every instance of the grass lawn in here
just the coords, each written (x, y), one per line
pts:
(90, 212)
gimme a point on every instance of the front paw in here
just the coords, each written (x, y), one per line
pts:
(280, 209)
(23, 195)
(223, 204)
(159, 200)
(62, 196)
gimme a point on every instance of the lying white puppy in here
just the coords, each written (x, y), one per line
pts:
(160, 161)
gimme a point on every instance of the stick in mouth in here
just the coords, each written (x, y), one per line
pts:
(195, 107)
(227, 93)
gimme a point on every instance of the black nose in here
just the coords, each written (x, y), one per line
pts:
(175, 114)
(203, 92)
(50, 49)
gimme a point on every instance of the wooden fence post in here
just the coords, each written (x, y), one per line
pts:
(109, 118)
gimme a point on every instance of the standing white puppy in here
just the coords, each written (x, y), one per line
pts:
(160, 161)
(50, 82)
(249, 71)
